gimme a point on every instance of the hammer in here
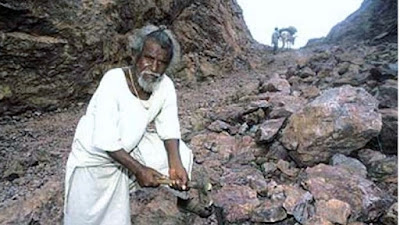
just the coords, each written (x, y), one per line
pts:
(202, 185)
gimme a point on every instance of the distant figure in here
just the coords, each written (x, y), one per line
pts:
(275, 39)
(291, 40)
(287, 39)
(287, 36)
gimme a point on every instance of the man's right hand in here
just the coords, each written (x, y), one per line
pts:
(148, 177)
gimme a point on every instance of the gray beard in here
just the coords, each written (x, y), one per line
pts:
(148, 87)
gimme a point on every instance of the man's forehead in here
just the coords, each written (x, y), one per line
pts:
(151, 46)
(150, 42)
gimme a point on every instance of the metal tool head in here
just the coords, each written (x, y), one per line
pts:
(203, 186)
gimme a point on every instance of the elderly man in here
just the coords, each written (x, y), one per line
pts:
(112, 149)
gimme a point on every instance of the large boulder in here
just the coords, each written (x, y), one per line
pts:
(367, 202)
(341, 120)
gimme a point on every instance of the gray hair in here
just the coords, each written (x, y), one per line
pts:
(139, 36)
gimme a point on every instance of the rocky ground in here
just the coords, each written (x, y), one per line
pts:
(305, 137)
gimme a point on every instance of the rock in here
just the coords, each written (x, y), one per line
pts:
(276, 84)
(382, 74)
(366, 200)
(310, 92)
(367, 156)
(14, 170)
(260, 104)
(268, 130)
(285, 168)
(350, 164)
(237, 202)
(257, 183)
(384, 169)
(253, 118)
(213, 169)
(343, 67)
(243, 128)
(388, 135)
(240, 175)
(276, 152)
(155, 207)
(303, 212)
(268, 212)
(340, 120)
(387, 139)
(366, 23)
(275, 192)
(279, 112)
(245, 154)
(289, 103)
(334, 210)
(387, 94)
(356, 223)
(391, 216)
(226, 147)
(219, 126)
(294, 197)
(306, 72)
(23, 211)
(252, 113)
(317, 220)
(268, 168)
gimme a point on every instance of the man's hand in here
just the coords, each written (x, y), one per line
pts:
(179, 178)
(148, 177)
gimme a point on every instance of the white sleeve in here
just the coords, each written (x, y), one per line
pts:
(167, 121)
(106, 135)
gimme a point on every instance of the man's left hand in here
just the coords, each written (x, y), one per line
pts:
(179, 178)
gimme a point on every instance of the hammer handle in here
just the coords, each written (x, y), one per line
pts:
(167, 181)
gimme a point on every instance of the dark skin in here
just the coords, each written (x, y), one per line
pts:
(155, 59)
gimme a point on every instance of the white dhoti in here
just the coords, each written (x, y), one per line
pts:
(99, 195)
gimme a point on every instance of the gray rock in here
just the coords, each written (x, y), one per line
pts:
(391, 216)
(268, 130)
(268, 212)
(367, 156)
(387, 94)
(351, 164)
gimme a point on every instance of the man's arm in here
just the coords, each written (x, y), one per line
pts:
(177, 172)
(146, 177)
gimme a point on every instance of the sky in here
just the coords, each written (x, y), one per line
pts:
(312, 18)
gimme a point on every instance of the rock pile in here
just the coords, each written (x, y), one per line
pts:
(310, 145)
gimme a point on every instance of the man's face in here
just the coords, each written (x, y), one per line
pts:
(151, 64)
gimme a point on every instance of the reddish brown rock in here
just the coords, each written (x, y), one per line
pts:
(333, 210)
(339, 121)
(366, 200)
(237, 202)
(294, 196)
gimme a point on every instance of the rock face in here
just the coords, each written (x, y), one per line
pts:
(55, 53)
(375, 20)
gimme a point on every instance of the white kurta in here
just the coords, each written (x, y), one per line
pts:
(97, 187)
